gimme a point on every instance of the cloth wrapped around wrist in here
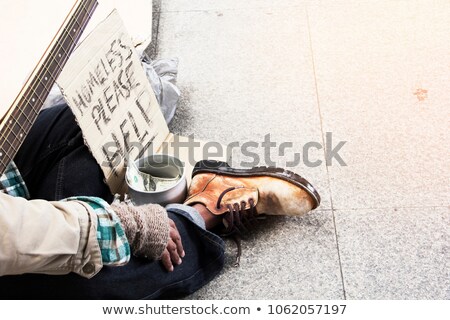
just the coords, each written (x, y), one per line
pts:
(146, 228)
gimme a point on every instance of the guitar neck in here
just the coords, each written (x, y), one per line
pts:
(17, 123)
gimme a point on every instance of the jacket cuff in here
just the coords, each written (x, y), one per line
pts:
(87, 262)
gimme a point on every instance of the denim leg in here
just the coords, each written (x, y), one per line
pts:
(54, 161)
(56, 164)
(139, 279)
(188, 212)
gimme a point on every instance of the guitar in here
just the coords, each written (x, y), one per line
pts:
(16, 123)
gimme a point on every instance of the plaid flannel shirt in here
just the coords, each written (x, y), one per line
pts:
(11, 182)
(111, 237)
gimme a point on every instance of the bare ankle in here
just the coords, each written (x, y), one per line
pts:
(210, 219)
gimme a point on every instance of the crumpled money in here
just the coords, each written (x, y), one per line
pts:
(143, 181)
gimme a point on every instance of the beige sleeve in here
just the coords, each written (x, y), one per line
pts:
(38, 236)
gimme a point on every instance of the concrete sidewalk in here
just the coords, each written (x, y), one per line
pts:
(373, 73)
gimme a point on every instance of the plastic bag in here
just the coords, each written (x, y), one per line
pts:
(162, 74)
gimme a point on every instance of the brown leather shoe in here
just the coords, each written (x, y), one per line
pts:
(241, 195)
(274, 191)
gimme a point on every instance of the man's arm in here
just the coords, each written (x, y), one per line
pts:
(82, 234)
(48, 237)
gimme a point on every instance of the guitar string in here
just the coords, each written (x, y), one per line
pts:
(74, 24)
(37, 81)
(38, 78)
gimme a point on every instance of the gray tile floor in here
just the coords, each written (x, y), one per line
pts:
(373, 73)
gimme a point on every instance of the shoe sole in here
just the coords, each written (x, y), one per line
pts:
(220, 167)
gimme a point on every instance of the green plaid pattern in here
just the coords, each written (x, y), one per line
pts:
(113, 242)
(11, 182)
(111, 237)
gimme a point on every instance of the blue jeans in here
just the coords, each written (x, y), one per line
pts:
(56, 164)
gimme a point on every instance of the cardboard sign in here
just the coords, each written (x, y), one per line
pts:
(107, 89)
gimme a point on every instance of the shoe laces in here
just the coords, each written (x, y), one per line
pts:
(238, 220)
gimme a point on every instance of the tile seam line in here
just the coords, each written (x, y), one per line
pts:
(323, 143)
(231, 9)
(157, 29)
(388, 208)
(384, 208)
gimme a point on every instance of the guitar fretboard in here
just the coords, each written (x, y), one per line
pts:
(16, 125)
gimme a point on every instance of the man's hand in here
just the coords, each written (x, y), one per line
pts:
(174, 250)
